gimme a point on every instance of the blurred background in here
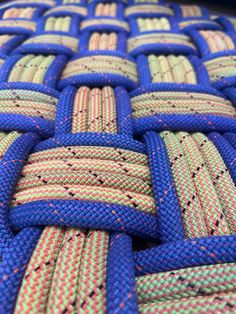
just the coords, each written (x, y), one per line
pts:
(216, 6)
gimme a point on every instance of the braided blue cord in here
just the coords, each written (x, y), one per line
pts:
(168, 210)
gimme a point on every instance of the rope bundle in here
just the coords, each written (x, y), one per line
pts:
(117, 158)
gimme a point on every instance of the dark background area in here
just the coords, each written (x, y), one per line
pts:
(215, 6)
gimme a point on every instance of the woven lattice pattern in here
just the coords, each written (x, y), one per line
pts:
(117, 158)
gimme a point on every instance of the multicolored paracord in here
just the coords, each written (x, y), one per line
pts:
(117, 158)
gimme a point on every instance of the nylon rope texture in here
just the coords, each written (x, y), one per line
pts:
(117, 158)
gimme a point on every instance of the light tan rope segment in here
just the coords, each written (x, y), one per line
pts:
(56, 279)
(220, 177)
(15, 13)
(106, 9)
(186, 283)
(27, 102)
(101, 64)
(210, 287)
(154, 103)
(71, 1)
(6, 139)
(94, 109)
(68, 8)
(67, 41)
(220, 68)
(171, 69)
(98, 183)
(153, 24)
(215, 303)
(190, 11)
(66, 273)
(30, 25)
(108, 21)
(147, 8)
(211, 198)
(103, 41)
(31, 68)
(185, 23)
(163, 38)
(4, 39)
(59, 24)
(217, 41)
(26, 2)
